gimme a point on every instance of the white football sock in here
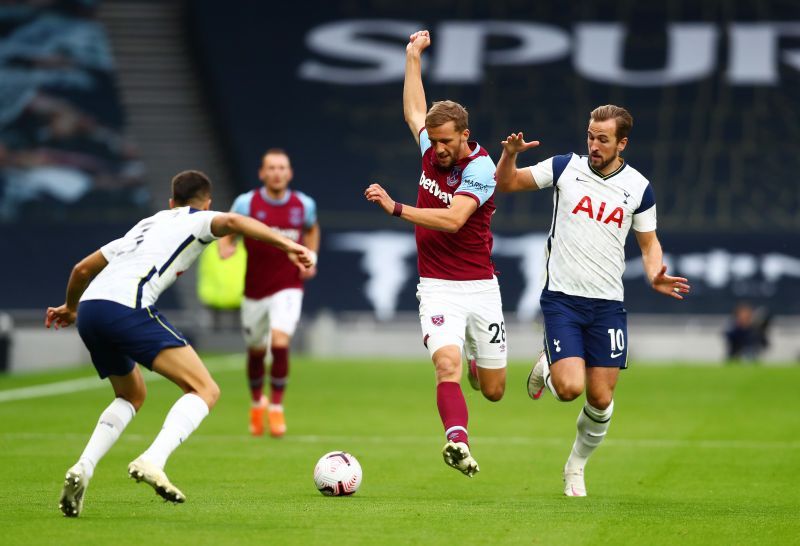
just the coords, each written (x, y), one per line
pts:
(592, 427)
(109, 427)
(183, 418)
(548, 381)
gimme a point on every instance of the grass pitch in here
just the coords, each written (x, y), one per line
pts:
(695, 455)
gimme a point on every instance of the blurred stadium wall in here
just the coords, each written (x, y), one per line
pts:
(102, 102)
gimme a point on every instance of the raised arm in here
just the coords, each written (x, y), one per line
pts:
(227, 223)
(509, 178)
(654, 268)
(414, 105)
(449, 219)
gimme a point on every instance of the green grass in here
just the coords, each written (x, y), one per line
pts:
(695, 455)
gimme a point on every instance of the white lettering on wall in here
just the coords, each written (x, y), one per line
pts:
(461, 52)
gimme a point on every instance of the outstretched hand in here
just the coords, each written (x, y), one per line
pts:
(304, 258)
(670, 286)
(59, 317)
(376, 194)
(418, 42)
(515, 143)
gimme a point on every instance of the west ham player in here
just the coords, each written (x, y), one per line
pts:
(112, 293)
(273, 291)
(459, 298)
(597, 199)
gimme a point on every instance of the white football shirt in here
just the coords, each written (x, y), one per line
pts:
(147, 260)
(592, 215)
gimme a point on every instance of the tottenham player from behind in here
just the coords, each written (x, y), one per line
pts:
(458, 293)
(597, 200)
(273, 287)
(112, 292)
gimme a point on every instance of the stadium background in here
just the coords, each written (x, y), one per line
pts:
(102, 102)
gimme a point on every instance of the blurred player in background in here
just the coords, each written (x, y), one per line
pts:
(597, 200)
(111, 294)
(459, 297)
(273, 291)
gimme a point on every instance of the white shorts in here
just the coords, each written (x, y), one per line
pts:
(280, 311)
(468, 314)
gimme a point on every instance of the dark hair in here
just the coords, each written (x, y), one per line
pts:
(623, 118)
(190, 185)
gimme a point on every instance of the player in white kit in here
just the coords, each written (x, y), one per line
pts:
(111, 294)
(597, 199)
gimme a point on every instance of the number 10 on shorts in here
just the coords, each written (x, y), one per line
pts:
(617, 338)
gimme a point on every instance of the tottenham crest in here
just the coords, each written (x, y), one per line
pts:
(437, 320)
(454, 177)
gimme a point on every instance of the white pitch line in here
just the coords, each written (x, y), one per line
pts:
(85, 384)
(477, 440)
(50, 389)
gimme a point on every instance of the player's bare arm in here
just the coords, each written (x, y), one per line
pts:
(228, 223)
(311, 238)
(445, 219)
(82, 274)
(509, 178)
(414, 105)
(226, 246)
(656, 271)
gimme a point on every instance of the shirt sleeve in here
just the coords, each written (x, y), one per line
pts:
(309, 210)
(126, 243)
(644, 217)
(113, 249)
(203, 219)
(242, 204)
(478, 180)
(424, 141)
(543, 173)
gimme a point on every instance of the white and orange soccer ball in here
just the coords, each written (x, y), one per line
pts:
(337, 473)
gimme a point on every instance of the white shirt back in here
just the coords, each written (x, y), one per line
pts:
(592, 215)
(148, 259)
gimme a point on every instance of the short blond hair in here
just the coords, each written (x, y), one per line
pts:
(446, 110)
(609, 111)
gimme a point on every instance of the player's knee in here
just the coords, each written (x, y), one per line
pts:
(447, 369)
(568, 389)
(601, 401)
(209, 392)
(493, 393)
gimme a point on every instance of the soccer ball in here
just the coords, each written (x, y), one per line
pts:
(337, 473)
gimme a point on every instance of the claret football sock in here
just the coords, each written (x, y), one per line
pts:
(109, 427)
(278, 373)
(592, 424)
(255, 372)
(183, 418)
(453, 411)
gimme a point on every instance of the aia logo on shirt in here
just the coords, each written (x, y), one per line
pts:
(585, 206)
(454, 177)
(295, 216)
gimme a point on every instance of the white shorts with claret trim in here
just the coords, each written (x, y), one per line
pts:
(280, 311)
(468, 314)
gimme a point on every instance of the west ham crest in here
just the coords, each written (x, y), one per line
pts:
(295, 216)
(454, 177)
(437, 320)
(261, 215)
